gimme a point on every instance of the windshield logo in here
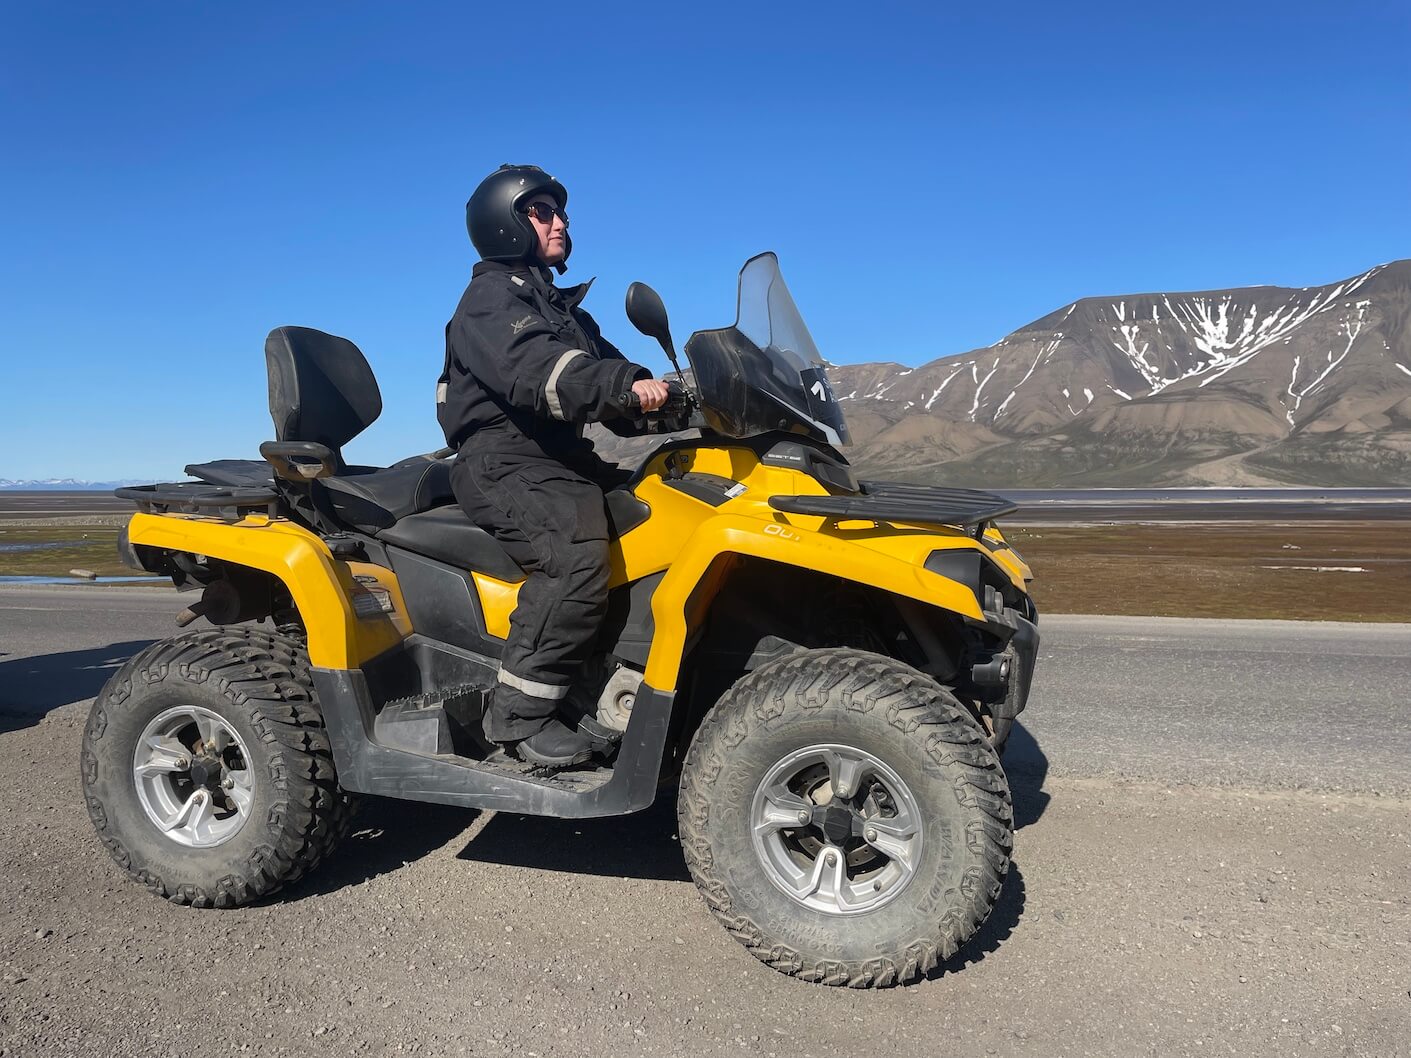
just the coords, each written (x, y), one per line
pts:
(819, 390)
(519, 325)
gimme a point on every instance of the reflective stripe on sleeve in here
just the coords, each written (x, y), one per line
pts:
(532, 687)
(551, 387)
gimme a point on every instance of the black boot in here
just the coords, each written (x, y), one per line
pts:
(556, 746)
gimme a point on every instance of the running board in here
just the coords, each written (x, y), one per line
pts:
(365, 765)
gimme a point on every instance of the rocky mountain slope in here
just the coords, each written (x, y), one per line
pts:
(1257, 385)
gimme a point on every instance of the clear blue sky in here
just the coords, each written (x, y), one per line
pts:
(176, 179)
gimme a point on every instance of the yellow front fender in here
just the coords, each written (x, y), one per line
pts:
(885, 561)
(321, 586)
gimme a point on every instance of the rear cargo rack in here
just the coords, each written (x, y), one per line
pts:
(196, 497)
(889, 501)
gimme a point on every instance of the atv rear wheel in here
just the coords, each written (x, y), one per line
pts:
(207, 770)
(845, 818)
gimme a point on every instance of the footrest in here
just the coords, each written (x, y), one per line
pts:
(405, 725)
(441, 722)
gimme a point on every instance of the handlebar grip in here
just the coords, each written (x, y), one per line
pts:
(678, 401)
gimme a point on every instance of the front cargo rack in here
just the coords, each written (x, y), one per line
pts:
(196, 497)
(889, 501)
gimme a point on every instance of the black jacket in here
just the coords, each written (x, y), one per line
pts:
(526, 368)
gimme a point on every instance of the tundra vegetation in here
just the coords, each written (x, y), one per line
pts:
(1340, 571)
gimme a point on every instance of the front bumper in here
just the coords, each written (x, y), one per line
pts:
(1020, 634)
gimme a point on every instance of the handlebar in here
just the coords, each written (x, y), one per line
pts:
(678, 403)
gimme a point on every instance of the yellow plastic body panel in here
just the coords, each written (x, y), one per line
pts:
(498, 599)
(687, 537)
(322, 586)
(1008, 559)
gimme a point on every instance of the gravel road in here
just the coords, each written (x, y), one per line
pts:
(1215, 836)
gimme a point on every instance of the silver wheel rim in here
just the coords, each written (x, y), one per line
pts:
(836, 829)
(193, 778)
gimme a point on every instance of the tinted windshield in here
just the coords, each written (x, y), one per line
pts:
(765, 373)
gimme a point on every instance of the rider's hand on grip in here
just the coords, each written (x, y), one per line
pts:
(675, 408)
(651, 394)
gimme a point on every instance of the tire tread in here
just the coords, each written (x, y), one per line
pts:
(266, 675)
(914, 704)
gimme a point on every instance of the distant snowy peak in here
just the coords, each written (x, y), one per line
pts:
(65, 484)
(1286, 349)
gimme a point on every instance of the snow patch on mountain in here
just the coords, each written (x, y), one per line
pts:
(1227, 354)
(1128, 347)
(980, 388)
(1351, 329)
(942, 387)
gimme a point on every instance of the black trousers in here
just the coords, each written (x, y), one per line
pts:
(552, 521)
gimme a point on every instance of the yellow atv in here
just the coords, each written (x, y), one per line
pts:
(827, 668)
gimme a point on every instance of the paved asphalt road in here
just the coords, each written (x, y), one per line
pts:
(1215, 836)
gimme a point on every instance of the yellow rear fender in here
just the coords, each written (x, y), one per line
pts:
(889, 561)
(322, 587)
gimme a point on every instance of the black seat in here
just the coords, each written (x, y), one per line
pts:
(371, 498)
(236, 473)
(367, 497)
(448, 536)
(322, 389)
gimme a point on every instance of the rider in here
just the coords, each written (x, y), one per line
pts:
(525, 369)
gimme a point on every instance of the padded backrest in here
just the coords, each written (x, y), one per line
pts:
(320, 387)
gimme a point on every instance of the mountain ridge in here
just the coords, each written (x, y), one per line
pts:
(1242, 386)
(1239, 386)
(66, 484)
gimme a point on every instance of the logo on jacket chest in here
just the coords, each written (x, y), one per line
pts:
(519, 325)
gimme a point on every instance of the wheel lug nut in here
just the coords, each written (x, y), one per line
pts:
(229, 784)
(870, 834)
(844, 790)
(832, 857)
(804, 817)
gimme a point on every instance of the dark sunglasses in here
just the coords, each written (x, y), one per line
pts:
(545, 213)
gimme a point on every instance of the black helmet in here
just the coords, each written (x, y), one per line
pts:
(498, 229)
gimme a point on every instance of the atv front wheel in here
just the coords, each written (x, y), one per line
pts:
(845, 818)
(207, 770)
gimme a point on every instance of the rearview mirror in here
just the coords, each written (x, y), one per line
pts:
(648, 314)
